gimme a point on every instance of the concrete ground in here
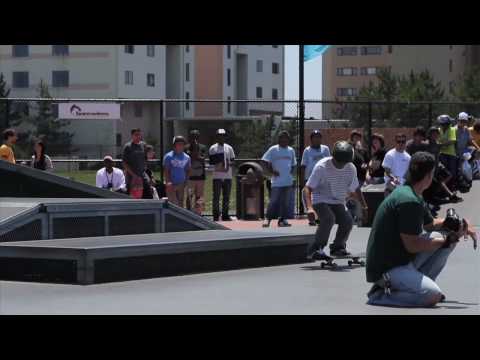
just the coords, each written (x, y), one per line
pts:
(292, 289)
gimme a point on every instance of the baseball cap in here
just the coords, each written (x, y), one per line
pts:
(463, 116)
(315, 133)
(179, 138)
(108, 157)
(221, 132)
(194, 132)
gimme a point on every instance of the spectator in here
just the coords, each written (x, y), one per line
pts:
(396, 163)
(110, 177)
(475, 134)
(133, 157)
(40, 160)
(311, 155)
(281, 162)
(433, 194)
(376, 172)
(6, 150)
(177, 167)
(447, 141)
(360, 156)
(405, 251)
(333, 179)
(418, 142)
(464, 138)
(196, 181)
(221, 157)
(150, 155)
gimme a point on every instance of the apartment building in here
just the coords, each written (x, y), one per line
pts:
(219, 72)
(346, 68)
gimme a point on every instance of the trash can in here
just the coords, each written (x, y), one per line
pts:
(374, 195)
(250, 191)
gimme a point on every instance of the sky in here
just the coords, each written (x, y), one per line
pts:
(313, 81)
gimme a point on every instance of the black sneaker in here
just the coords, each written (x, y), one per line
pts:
(318, 255)
(455, 199)
(284, 223)
(339, 252)
(375, 290)
(215, 219)
(266, 224)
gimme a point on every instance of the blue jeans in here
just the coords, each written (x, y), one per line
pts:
(279, 201)
(451, 163)
(413, 285)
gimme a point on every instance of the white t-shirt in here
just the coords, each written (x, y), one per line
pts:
(282, 160)
(311, 156)
(398, 163)
(222, 156)
(117, 178)
(332, 185)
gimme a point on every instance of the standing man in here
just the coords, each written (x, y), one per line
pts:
(6, 150)
(396, 164)
(448, 143)
(311, 155)
(222, 157)
(333, 180)
(196, 181)
(281, 162)
(464, 137)
(133, 157)
(418, 142)
(404, 253)
(177, 168)
(110, 177)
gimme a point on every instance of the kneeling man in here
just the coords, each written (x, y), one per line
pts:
(405, 254)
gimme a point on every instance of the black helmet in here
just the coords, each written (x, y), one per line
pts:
(343, 152)
(444, 120)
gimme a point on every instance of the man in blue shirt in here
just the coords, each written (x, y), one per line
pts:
(311, 155)
(177, 168)
(281, 162)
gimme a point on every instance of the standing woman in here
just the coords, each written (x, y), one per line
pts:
(376, 171)
(40, 160)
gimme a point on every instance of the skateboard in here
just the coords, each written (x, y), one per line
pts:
(353, 259)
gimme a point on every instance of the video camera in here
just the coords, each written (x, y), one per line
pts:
(453, 223)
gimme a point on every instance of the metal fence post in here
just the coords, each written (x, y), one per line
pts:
(430, 115)
(7, 114)
(161, 140)
(369, 129)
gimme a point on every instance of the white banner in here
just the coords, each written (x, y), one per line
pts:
(89, 111)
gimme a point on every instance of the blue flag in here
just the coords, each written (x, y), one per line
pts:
(312, 51)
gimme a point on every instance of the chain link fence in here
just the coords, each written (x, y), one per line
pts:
(252, 126)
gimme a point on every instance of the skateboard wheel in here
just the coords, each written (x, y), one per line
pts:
(350, 263)
(362, 263)
(322, 265)
(334, 265)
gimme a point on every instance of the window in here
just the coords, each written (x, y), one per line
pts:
(187, 48)
(187, 103)
(129, 77)
(368, 71)
(129, 49)
(275, 68)
(20, 79)
(450, 65)
(229, 77)
(347, 71)
(259, 92)
(346, 92)
(187, 72)
(347, 51)
(275, 46)
(151, 50)
(275, 94)
(371, 50)
(60, 50)
(390, 49)
(259, 65)
(60, 79)
(20, 51)
(151, 80)
(229, 104)
(229, 51)
(137, 109)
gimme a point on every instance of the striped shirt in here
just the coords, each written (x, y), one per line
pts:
(331, 185)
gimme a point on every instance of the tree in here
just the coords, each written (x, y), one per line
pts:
(468, 90)
(48, 127)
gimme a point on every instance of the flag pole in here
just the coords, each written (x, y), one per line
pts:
(301, 124)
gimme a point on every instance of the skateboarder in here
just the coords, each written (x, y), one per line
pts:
(403, 259)
(332, 180)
